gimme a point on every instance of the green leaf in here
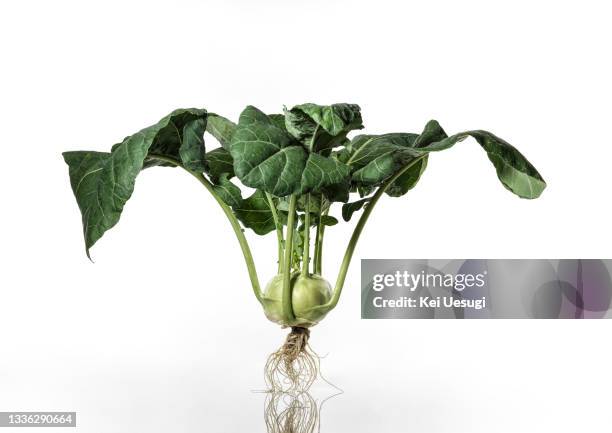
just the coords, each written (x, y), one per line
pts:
(328, 220)
(337, 192)
(321, 127)
(378, 170)
(228, 192)
(514, 171)
(348, 209)
(376, 158)
(366, 148)
(221, 128)
(278, 120)
(103, 182)
(364, 190)
(431, 133)
(334, 119)
(298, 246)
(255, 213)
(321, 171)
(176, 135)
(317, 204)
(299, 125)
(408, 179)
(192, 151)
(218, 162)
(266, 157)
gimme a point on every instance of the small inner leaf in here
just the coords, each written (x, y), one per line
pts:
(348, 209)
(228, 192)
(221, 128)
(255, 213)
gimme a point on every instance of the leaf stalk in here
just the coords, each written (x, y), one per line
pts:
(306, 254)
(350, 249)
(244, 244)
(279, 231)
(318, 252)
(286, 300)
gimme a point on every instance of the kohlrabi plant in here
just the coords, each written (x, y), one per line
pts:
(299, 163)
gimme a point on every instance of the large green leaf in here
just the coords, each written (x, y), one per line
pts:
(321, 171)
(514, 171)
(266, 157)
(408, 180)
(103, 182)
(254, 212)
(366, 148)
(278, 120)
(375, 158)
(321, 127)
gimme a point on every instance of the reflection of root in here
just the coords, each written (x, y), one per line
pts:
(293, 367)
(291, 413)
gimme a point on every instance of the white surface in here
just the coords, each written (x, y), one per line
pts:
(163, 334)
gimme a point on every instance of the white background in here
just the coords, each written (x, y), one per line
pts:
(163, 334)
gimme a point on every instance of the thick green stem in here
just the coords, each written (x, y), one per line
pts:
(350, 249)
(318, 252)
(286, 301)
(244, 245)
(279, 231)
(306, 254)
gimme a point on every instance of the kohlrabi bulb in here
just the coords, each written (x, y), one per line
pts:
(307, 293)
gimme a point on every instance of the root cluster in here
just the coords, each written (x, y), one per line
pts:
(294, 367)
(289, 374)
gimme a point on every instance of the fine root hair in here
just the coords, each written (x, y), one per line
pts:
(291, 413)
(294, 367)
